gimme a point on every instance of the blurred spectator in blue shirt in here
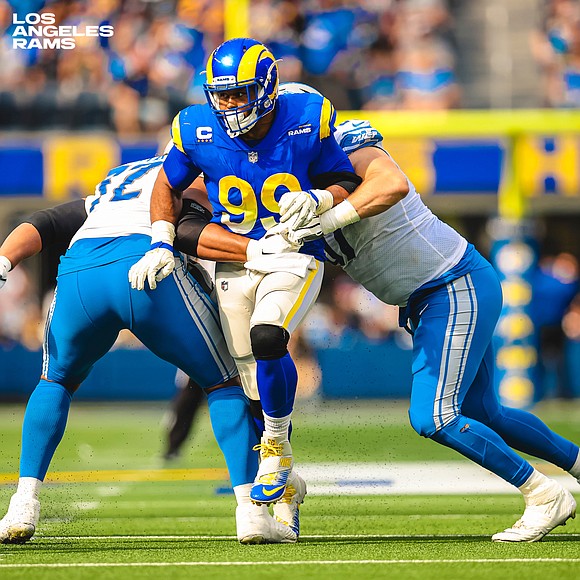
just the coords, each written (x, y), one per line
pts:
(556, 48)
(426, 79)
(555, 283)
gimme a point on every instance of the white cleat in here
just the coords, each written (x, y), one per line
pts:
(276, 463)
(547, 510)
(255, 525)
(287, 509)
(19, 523)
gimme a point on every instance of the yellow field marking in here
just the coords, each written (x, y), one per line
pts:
(127, 475)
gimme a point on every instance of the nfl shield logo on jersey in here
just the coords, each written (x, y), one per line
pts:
(253, 157)
(224, 285)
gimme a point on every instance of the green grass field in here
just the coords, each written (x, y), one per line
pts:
(183, 529)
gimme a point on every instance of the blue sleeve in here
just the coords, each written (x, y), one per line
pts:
(330, 159)
(180, 170)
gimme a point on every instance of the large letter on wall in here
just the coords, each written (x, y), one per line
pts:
(549, 165)
(74, 165)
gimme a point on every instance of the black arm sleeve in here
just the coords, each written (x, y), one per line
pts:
(350, 181)
(57, 225)
(193, 218)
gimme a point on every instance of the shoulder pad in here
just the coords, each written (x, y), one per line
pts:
(353, 135)
(296, 88)
(183, 126)
(193, 125)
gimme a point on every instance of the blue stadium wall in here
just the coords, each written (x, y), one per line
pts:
(363, 370)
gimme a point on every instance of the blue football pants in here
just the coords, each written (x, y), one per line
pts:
(453, 398)
(177, 321)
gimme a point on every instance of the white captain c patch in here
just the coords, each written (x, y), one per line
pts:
(204, 134)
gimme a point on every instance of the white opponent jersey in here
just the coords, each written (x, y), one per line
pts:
(393, 253)
(120, 204)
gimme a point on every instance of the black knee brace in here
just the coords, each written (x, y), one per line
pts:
(269, 341)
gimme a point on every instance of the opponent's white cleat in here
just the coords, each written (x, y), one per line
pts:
(287, 509)
(276, 463)
(19, 523)
(255, 525)
(547, 509)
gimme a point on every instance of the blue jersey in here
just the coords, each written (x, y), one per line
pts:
(245, 180)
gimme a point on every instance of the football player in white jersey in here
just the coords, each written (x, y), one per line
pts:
(450, 298)
(94, 301)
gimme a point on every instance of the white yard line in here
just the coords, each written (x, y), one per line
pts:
(304, 537)
(416, 478)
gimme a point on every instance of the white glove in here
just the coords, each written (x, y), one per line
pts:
(305, 205)
(307, 233)
(5, 267)
(339, 216)
(159, 261)
(155, 265)
(271, 243)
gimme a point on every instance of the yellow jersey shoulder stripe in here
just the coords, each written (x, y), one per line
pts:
(326, 115)
(176, 132)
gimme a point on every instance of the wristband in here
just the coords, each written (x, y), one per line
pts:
(6, 262)
(339, 216)
(161, 245)
(323, 198)
(162, 231)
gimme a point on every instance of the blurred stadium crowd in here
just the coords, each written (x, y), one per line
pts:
(370, 54)
(556, 48)
(363, 54)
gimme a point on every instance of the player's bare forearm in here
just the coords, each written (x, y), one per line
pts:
(23, 242)
(384, 184)
(217, 244)
(338, 193)
(165, 200)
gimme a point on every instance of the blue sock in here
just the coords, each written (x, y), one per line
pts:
(43, 427)
(259, 425)
(525, 432)
(277, 379)
(484, 446)
(234, 430)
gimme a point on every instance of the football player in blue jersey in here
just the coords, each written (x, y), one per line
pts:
(450, 298)
(93, 302)
(252, 146)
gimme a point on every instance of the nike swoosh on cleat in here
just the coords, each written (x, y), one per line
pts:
(271, 492)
